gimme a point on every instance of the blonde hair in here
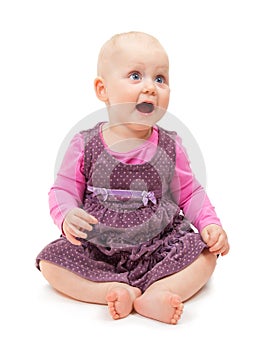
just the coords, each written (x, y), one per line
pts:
(115, 42)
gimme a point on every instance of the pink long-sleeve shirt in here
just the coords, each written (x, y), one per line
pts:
(69, 187)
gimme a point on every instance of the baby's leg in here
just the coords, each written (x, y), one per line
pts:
(118, 296)
(163, 299)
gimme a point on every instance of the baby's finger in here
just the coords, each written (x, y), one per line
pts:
(225, 249)
(213, 238)
(72, 239)
(74, 231)
(217, 246)
(82, 224)
(68, 232)
(86, 217)
(221, 247)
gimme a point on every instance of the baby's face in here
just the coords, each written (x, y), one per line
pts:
(136, 76)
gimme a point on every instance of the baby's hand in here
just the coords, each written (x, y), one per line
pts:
(216, 239)
(75, 221)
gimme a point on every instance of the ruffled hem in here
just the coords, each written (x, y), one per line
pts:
(140, 266)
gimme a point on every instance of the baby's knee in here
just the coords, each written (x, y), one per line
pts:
(49, 270)
(44, 265)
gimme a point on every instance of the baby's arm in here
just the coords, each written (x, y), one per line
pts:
(193, 200)
(189, 194)
(66, 195)
(69, 186)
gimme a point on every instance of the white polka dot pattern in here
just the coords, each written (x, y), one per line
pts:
(133, 243)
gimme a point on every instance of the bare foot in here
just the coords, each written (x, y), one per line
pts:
(160, 305)
(120, 301)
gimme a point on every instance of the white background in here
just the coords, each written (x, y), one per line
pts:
(48, 63)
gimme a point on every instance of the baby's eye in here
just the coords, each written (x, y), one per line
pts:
(135, 76)
(160, 79)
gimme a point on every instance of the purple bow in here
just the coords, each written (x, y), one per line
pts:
(98, 190)
(146, 196)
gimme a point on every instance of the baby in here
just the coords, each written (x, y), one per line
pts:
(125, 198)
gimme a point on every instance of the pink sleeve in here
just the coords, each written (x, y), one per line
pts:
(69, 186)
(189, 194)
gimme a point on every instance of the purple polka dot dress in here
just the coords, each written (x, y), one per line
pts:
(141, 236)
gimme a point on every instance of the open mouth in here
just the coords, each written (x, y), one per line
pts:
(145, 107)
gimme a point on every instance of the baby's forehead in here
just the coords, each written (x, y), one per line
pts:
(125, 42)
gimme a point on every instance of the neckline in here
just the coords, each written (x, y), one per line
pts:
(148, 140)
(145, 164)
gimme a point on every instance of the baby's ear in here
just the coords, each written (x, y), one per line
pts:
(100, 89)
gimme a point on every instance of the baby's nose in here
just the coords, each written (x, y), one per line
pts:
(149, 86)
